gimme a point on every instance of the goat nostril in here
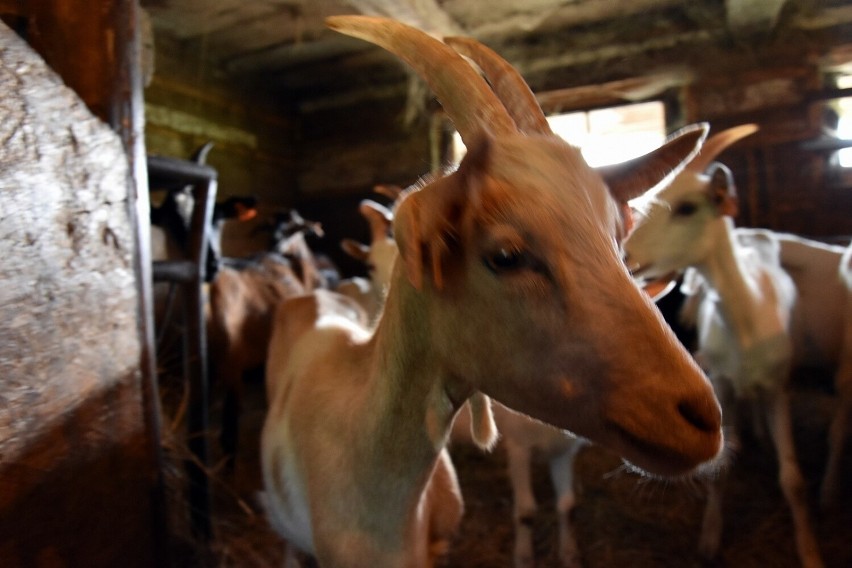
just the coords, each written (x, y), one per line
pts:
(701, 416)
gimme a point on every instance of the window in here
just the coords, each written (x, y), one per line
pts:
(844, 122)
(607, 135)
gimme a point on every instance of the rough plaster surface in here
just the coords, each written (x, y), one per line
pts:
(68, 299)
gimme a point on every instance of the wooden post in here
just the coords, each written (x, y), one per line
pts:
(95, 48)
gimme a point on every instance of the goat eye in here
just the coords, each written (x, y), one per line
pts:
(505, 260)
(685, 209)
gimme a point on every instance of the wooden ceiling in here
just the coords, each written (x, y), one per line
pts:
(283, 46)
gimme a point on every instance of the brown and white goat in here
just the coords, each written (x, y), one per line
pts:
(743, 318)
(520, 435)
(509, 283)
(242, 301)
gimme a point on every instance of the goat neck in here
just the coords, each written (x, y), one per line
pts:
(743, 281)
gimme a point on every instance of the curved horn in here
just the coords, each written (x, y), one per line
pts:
(716, 144)
(465, 96)
(388, 190)
(507, 83)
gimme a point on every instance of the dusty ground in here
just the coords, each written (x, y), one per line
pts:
(621, 519)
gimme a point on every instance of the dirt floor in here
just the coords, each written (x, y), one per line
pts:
(621, 519)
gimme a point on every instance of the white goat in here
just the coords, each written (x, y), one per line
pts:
(496, 291)
(821, 330)
(521, 437)
(743, 318)
(378, 257)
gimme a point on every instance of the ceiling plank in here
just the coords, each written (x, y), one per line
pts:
(827, 18)
(744, 15)
(285, 55)
(520, 19)
(261, 34)
(194, 18)
(613, 92)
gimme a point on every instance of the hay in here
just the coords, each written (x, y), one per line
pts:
(621, 519)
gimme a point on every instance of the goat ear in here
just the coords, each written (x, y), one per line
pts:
(632, 178)
(425, 222)
(722, 191)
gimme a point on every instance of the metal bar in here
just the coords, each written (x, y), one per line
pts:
(189, 273)
(196, 338)
(826, 144)
(163, 170)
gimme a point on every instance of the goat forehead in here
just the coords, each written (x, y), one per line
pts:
(548, 173)
(682, 187)
(541, 222)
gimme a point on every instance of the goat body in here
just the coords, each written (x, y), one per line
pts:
(818, 324)
(242, 302)
(743, 302)
(494, 292)
(821, 332)
(523, 438)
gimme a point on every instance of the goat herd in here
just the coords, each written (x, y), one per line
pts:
(506, 305)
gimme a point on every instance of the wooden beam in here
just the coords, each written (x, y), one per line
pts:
(612, 93)
(618, 51)
(565, 15)
(827, 18)
(287, 54)
(12, 8)
(102, 445)
(746, 16)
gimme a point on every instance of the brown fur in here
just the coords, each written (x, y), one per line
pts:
(509, 283)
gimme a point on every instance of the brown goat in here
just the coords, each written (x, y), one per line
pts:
(509, 283)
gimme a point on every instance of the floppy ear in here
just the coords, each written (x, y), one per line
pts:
(632, 178)
(722, 191)
(426, 221)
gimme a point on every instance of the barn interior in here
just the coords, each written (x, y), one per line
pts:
(109, 445)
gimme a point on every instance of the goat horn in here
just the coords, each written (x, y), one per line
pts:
(507, 83)
(465, 96)
(388, 190)
(716, 144)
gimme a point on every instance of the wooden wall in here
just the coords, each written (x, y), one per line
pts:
(785, 181)
(255, 137)
(344, 152)
(322, 161)
(324, 155)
